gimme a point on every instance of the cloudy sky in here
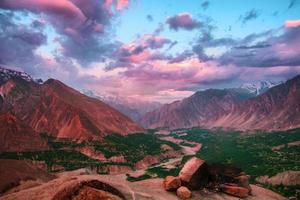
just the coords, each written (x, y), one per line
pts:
(160, 50)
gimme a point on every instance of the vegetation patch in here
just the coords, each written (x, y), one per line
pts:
(133, 147)
(251, 152)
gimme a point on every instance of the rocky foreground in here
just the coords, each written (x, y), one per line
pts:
(81, 184)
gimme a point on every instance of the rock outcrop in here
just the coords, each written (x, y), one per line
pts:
(171, 183)
(197, 175)
(184, 193)
(194, 173)
(286, 178)
(235, 190)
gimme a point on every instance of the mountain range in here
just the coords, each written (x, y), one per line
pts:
(276, 108)
(135, 108)
(58, 110)
(63, 112)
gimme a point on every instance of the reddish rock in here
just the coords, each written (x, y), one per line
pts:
(89, 193)
(147, 161)
(118, 169)
(14, 172)
(17, 136)
(184, 193)
(166, 147)
(194, 173)
(243, 181)
(90, 152)
(117, 159)
(235, 190)
(171, 183)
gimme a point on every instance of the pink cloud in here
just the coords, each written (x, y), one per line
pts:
(135, 58)
(121, 4)
(142, 49)
(118, 4)
(292, 23)
(64, 8)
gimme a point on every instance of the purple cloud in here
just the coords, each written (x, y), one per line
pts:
(18, 42)
(82, 25)
(183, 21)
(282, 50)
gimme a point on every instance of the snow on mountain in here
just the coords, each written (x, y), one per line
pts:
(258, 88)
(132, 107)
(6, 74)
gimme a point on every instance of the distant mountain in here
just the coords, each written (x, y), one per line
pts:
(61, 111)
(131, 107)
(277, 108)
(195, 110)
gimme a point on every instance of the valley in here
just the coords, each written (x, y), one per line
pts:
(52, 130)
(149, 100)
(255, 153)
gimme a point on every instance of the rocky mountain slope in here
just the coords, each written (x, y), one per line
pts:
(256, 89)
(276, 109)
(16, 136)
(61, 111)
(195, 110)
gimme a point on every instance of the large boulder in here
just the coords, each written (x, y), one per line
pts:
(171, 183)
(235, 190)
(194, 173)
(183, 193)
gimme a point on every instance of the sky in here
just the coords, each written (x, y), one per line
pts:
(158, 50)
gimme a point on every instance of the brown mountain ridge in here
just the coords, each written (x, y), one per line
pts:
(61, 111)
(276, 109)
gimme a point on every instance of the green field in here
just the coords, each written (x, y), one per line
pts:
(251, 152)
(133, 147)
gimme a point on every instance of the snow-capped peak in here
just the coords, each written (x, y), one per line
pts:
(260, 87)
(6, 74)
